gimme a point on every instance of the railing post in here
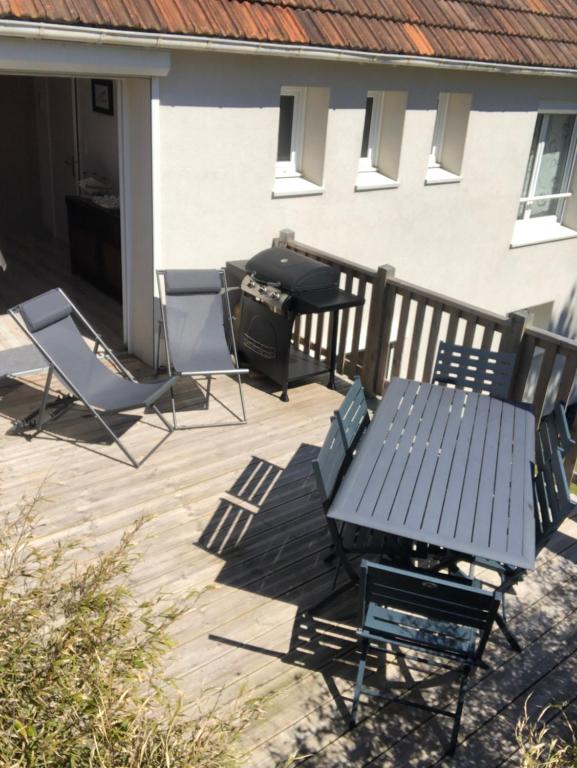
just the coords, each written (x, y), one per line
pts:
(377, 320)
(512, 341)
(284, 236)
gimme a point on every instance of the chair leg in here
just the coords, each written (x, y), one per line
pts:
(45, 396)
(157, 350)
(339, 549)
(459, 710)
(116, 439)
(337, 571)
(158, 412)
(359, 683)
(241, 399)
(501, 621)
(173, 407)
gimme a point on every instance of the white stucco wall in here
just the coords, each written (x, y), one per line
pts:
(218, 127)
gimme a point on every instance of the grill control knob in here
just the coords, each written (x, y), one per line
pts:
(251, 283)
(262, 290)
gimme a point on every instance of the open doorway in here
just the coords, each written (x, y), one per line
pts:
(60, 218)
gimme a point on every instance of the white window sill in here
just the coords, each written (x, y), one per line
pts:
(367, 180)
(441, 176)
(295, 186)
(535, 231)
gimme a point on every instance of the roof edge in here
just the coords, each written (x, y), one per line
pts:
(106, 36)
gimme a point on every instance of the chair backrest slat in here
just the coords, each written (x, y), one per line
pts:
(353, 414)
(428, 596)
(479, 370)
(552, 494)
(329, 463)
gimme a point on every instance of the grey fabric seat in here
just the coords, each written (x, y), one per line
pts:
(198, 335)
(48, 320)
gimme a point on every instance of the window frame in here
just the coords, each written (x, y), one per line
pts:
(565, 192)
(370, 163)
(285, 169)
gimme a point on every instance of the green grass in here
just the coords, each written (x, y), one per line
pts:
(80, 661)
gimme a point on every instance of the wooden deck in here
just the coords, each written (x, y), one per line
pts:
(236, 517)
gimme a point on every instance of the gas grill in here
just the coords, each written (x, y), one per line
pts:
(273, 288)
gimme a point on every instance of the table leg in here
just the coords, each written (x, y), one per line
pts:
(353, 577)
(333, 350)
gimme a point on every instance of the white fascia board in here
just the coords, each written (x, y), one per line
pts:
(153, 40)
(73, 58)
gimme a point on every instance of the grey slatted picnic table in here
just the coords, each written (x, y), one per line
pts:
(446, 467)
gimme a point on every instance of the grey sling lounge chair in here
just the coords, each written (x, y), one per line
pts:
(48, 321)
(194, 329)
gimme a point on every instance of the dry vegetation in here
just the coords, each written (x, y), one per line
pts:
(542, 745)
(80, 660)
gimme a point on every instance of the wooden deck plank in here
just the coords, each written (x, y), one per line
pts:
(235, 510)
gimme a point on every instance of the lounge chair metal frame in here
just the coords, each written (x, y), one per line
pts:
(162, 332)
(51, 411)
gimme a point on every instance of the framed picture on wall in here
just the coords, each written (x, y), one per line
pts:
(103, 97)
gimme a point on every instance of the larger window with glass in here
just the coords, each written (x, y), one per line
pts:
(551, 161)
(547, 208)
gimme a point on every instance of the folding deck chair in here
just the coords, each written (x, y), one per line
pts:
(434, 618)
(194, 329)
(477, 369)
(49, 321)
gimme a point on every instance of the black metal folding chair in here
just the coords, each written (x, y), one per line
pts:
(479, 370)
(198, 338)
(49, 321)
(447, 620)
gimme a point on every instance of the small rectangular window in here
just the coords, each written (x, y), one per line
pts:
(365, 148)
(301, 138)
(285, 128)
(290, 131)
(381, 140)
(439, 132)
(448, 141)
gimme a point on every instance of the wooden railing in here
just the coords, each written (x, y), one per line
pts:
(546, 371)
(398, 329)
(407, 322)
(311, 334)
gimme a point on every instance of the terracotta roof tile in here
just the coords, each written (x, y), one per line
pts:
(526, 32)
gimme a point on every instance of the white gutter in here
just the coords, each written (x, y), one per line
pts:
(96, 36)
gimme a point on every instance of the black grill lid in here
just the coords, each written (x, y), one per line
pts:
(293, 272)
